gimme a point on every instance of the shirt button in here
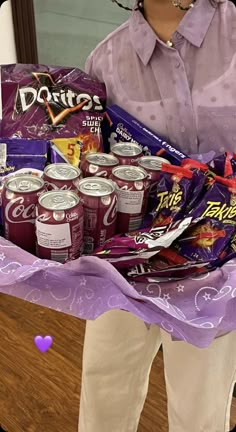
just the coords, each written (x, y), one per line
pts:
(178, 36)
(177, 65)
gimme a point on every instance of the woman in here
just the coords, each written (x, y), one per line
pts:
(173, 66)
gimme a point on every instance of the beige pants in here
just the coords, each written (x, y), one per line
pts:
(118, 355)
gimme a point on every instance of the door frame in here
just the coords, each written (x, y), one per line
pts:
(25, 31)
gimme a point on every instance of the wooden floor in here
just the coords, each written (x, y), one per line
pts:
(40, 392)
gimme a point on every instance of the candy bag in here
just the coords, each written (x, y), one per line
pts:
(21, 156)
(16, 154)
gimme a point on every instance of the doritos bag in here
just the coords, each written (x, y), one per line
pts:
(53, 103)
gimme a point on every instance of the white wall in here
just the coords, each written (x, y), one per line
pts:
(7, 42)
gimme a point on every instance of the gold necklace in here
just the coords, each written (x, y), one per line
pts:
(178, 4)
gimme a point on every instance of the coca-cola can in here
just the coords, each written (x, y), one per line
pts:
(127, 153)
(59, 226)
(100, 211)
(19, 198)
(98, 164)
(132, 190)
(152, 165)
(61, 176)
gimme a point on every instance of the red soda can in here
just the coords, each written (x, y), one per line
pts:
(152, 165)
(132, 190)
(127, 153)
(61, 176)
(19, 198)
(100, 211)
(59, 226)
(98, 164)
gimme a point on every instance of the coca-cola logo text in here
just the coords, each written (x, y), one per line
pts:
(101, 174)
(16, 212)
(43, 217)
(110, 215)
(126, 188)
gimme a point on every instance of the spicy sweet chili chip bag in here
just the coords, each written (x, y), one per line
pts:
(172, 194)
(53, 103)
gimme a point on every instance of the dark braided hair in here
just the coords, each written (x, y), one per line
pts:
(138, 7)
(125, 7)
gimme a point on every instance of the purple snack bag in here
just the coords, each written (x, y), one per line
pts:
(217, 214)
(133, 241)
(127, 250)
(17, 154)
(166, 264)
(219, 202)
(222, 166)
(199, 181)
(233, 163)
(53, 103)
(172, 194)
(147, 272)
(197, 189)
(119, 126)
(205, 240)
(228, 254)
(56, 156)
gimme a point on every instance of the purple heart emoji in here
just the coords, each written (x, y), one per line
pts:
(43, 343)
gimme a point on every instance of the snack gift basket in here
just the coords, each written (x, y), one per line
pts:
(195, 308)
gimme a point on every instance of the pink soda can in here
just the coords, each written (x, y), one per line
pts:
(152, 165)
(59, 226)
(98, 164)
(127, 153)
(19, 199)
(61, 176)
(100, 211)
(132, 190)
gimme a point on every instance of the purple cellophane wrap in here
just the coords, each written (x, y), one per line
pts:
(195, 310)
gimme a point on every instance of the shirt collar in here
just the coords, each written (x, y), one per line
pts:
(193, 28)
(195, 24)
(142, 37)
